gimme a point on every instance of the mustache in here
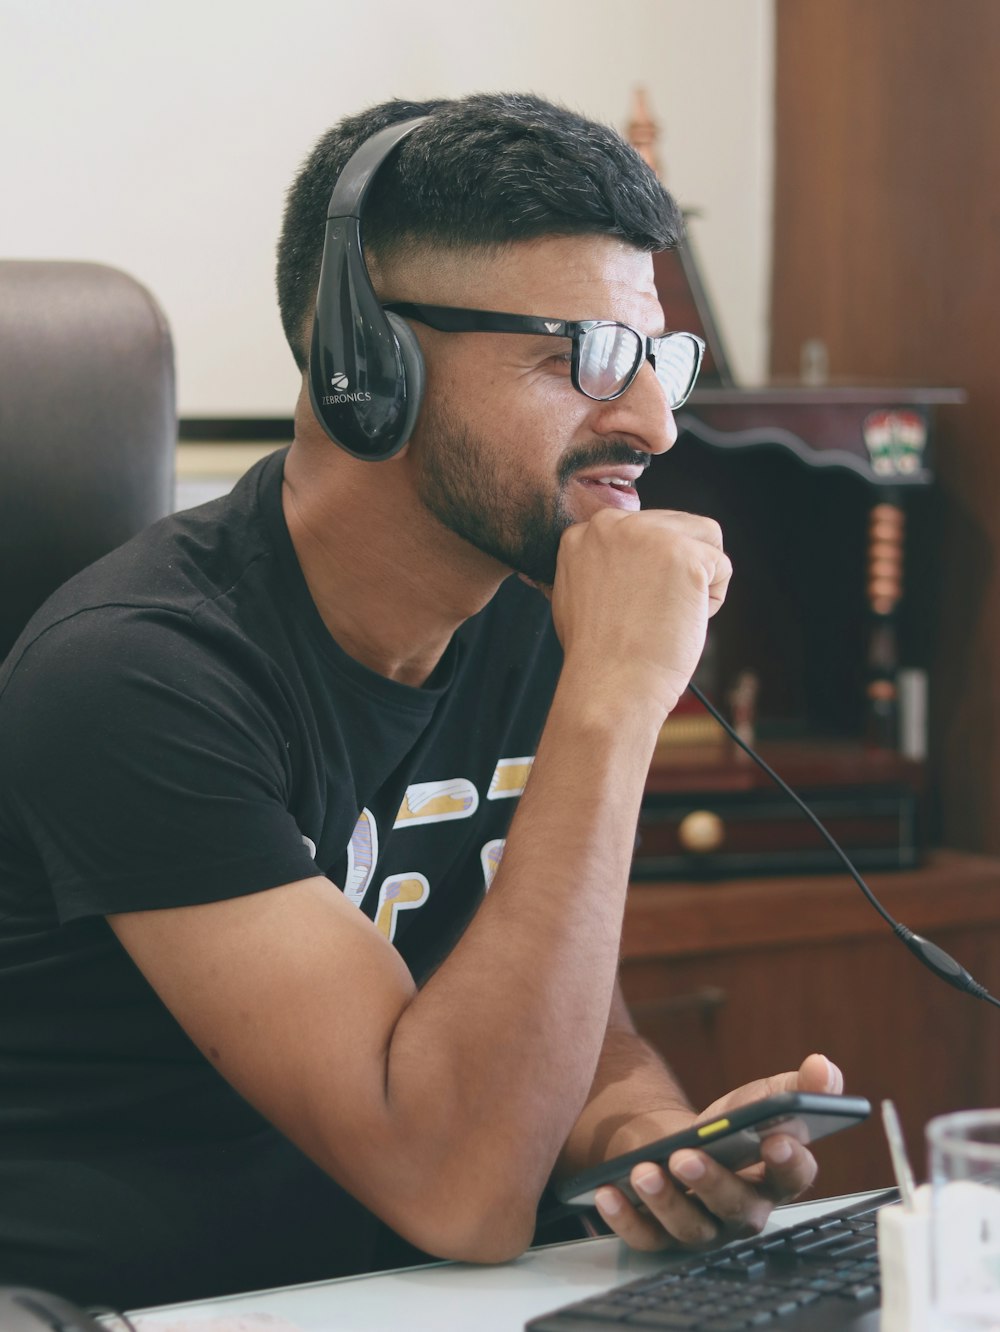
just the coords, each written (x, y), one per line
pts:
(607, 452)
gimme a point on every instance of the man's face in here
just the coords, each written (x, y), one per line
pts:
(507, 453)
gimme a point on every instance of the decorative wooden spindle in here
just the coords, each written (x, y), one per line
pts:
(886, 532)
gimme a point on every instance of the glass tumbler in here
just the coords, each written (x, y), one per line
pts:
(964, 1158)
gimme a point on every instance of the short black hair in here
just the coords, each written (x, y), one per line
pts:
(482, 171)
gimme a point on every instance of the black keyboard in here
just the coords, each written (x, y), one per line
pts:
(816, 1276)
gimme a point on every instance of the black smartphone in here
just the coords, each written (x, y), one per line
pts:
(733, 1139)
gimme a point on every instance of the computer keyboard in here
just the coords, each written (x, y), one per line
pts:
(816, 1276)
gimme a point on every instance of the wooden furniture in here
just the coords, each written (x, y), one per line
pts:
(821, 493)
(709, 811)
(885, 272)
(887, 126)
(739, 979)
(832, 594)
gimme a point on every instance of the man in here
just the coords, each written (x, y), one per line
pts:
(326, 693)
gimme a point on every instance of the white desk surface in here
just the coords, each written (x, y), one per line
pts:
(440, 1297)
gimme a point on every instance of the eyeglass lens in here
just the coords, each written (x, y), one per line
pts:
(609, 356)
(677, 361)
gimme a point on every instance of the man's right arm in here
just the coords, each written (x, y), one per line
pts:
(443, 1110)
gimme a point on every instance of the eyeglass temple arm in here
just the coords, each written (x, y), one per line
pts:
(450, 319)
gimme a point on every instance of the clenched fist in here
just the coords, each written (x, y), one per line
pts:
(632, 598)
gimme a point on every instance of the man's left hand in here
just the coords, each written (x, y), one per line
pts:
(695, 1202)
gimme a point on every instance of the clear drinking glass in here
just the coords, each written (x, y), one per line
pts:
(964, 1154)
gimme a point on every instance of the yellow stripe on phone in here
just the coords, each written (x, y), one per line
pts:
(716, 1126)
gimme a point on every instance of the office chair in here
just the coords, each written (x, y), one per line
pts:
(87, 424)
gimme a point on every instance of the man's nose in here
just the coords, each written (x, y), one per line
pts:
(642, 413)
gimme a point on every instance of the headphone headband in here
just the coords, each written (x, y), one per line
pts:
(352, 185)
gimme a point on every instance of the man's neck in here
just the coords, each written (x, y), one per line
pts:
(390, 583)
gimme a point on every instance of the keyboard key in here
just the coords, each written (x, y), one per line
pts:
(665, 1318)
(862, 1291)
(821, 1235)
(774, 1242)
(743, 1271)
(859, 1245)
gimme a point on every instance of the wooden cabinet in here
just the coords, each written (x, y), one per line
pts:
(886, 200)
(887, 131)
(737, 979)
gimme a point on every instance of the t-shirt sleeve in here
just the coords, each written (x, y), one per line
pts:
(150, 766)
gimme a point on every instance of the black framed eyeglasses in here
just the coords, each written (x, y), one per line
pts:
(606, 357)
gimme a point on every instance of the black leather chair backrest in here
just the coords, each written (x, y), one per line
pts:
(88, 427)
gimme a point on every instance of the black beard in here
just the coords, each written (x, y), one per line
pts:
(523, 536)
(465, 489)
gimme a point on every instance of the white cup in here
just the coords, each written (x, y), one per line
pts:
(964, 1156)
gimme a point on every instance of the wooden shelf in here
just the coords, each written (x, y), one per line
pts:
(802, 763)
(953, 889)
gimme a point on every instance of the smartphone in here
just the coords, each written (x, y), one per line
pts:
(733, 1139)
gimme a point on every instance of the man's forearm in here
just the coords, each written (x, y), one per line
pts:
(494, 1058)
(633, 1097)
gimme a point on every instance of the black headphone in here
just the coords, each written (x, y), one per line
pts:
(366, 373)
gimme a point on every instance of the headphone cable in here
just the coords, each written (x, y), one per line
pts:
(940, 962)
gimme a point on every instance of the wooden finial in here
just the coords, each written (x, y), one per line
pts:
(643, 131)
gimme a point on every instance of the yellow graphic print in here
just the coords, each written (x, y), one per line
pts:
(400, 892)
(362, 853)
(435, 802)
(510, 777)
(490, 858)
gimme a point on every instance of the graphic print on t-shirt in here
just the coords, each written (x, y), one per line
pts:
(362, 853)
(490, 858)
(434, 802)
(425, 803)
(509, 777)
(400, 892)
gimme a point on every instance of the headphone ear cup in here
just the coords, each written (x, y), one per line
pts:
(366, 371)
(414, 372)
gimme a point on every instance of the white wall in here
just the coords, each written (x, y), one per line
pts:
(161, 135)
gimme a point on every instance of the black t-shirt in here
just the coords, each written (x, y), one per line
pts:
(178, 726)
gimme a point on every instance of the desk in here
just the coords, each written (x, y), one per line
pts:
(445, 1297)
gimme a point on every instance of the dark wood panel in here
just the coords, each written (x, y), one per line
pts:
(737, 980)
(894, 1030)
(887, 246)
